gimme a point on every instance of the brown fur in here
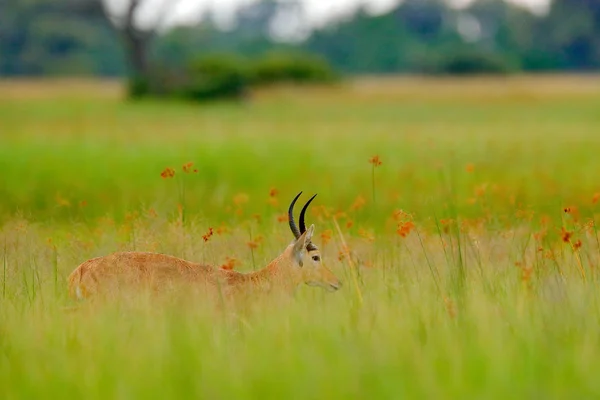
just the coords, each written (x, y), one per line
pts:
(299, 263)
(159, 271)
(133, 268)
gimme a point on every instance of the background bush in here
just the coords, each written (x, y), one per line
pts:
(226, 76)
(279, 67)
(469, 61)
(215, 77)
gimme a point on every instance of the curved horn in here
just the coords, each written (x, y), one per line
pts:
(293, 226)
(302, 213)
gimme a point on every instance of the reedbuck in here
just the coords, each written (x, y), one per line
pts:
(299, 263)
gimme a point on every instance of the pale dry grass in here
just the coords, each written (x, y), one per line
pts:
(415, 87)
(534, 87)
(25, 89)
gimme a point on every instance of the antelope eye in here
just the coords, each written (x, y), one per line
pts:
(316, 258)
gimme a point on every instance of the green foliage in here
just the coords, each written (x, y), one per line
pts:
(215, 77)
(207, 78)
(138, 87)
(292, 67)
(228, 76)
(469, 62)
(363, 42)
(43, 37)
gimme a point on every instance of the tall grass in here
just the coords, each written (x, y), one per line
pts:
(473, 275)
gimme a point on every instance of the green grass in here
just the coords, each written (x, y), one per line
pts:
(484, 298)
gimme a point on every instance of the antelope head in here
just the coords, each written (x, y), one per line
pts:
(305, 258)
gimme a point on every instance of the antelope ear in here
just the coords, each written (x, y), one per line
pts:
(309, 234)
(300, 246)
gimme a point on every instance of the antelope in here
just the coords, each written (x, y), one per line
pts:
(299, 263)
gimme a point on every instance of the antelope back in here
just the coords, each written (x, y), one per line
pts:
(151, 270)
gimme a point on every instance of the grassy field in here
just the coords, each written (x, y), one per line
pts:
(471, 269)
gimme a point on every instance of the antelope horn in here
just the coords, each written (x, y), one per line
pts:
(302, 213)
(293, 226)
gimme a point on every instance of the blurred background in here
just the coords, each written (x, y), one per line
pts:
(111, 38)
(308, 80)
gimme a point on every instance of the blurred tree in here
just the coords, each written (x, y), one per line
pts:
(136, 35)
(395, 41)
(80, 36)
(40, 37)
(423, 19)
(572, 30)
(250, 35)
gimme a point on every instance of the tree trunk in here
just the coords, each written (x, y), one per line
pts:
(137, 54)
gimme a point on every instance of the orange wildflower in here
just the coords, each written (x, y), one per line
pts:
(566, 235)
(404, 228)
(229, 264)
(539, 236)
(595, 198)
(368, 264)
(358, 203)
(208, 234)
(321, 211)
(446, 224)
(273, 197)
(253, 244)
(450, 307)
(400, 215)
(526, 273)
(589, 226)
(180, 211)
(524, 214)
(480, 190)
(375, 160)
(326, 236)
(131, 216)
(339, 215)
(167, 173)
(187, 167)
(240, 198)
(545, 220)
(573, 211)
(549, 255)
(470, 167)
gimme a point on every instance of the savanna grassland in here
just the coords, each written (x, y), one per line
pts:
(468, 210)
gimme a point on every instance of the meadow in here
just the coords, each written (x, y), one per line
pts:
(467, 242)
